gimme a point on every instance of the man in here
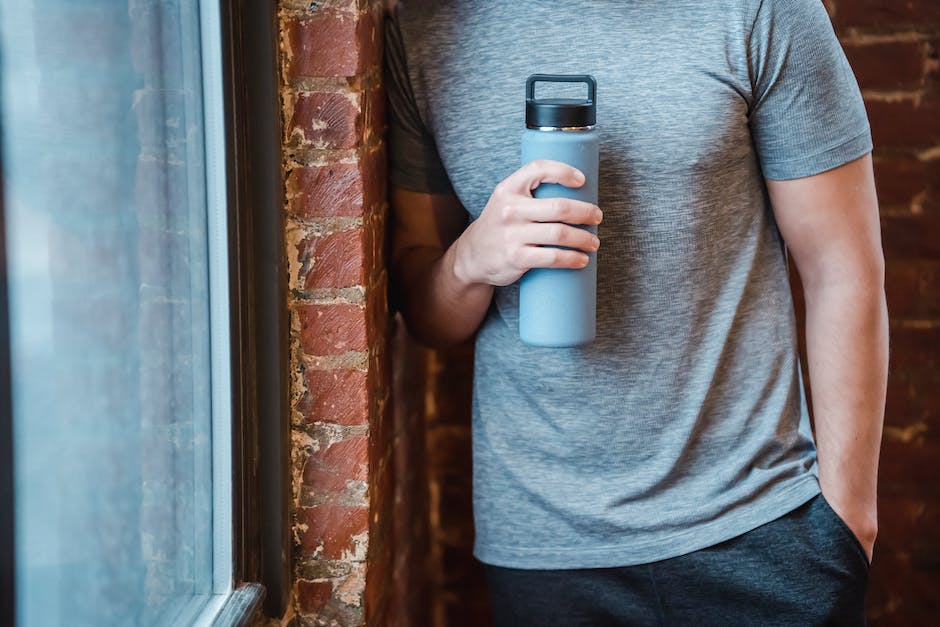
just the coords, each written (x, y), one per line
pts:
(667, 472)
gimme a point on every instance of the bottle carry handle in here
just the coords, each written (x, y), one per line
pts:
(587, 79)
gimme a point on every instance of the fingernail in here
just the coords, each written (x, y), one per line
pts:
(597, 242)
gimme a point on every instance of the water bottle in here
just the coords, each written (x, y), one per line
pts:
(557, 306)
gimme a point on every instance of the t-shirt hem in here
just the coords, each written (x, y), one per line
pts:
(828, 159)
(630, 554)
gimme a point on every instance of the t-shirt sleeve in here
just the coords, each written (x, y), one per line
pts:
(413, 160)
(807, 114)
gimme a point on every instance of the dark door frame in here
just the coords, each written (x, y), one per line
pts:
(259, 331)
(7, 519)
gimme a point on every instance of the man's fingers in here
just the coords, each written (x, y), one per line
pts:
(559, 234)
(550, 257)
(558, 210)
(534, 173)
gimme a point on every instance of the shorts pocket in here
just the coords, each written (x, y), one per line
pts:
(845, 530)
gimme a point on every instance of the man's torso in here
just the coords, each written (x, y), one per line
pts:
(682, 424)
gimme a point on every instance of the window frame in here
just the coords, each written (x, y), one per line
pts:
(7, 522)
(258, 309)
(246, 39)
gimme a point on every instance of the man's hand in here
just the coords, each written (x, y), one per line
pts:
(831, 227)
(507, 239)
(857, 515)
(445, 271)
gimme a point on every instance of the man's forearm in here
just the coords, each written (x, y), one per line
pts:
(442, 308)
(847, 346)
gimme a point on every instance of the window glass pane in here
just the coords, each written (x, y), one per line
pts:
(105, 190)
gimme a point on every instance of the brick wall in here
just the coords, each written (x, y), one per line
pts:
(438, 390)
(333, 110)
(893, 47)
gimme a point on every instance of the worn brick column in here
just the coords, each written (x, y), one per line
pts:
(334, 175)
(893, 47)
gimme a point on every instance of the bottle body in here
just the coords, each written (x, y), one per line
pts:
(557, 306)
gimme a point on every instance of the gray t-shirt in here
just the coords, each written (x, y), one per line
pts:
(683, 424)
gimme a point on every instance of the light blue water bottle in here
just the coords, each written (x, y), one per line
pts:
(557, 306)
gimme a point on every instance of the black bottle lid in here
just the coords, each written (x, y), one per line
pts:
(560, 112)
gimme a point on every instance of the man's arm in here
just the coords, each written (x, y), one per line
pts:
(439, 309)
(445, 272)
(831, 227)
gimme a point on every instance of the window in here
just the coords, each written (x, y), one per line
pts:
(115, 218)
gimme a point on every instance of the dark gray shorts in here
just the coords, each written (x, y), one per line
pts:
(804, 568)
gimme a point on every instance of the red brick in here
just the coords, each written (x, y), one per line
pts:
(899, 518)
(324, 191)
(332, 329)
(449, 449)
(380, 587)
(377, 306)
(932, 200)
(325, 120)
(313, 595)
(339, 189)
(887, 12)
(914, 406)
(341, 462)
(913, 288)
(899, 180)
(369, 36)
(455, 511)
(913, 390)
(380, 392)
(375, 243)
(915, 350)
(890, 65)
(332, 260)
(897, 615)
(453, 386)
(906, 237)
(336, 396)
(337, 44)
(904, 123)
(333, 527)
(379, 381)
(375, 181)
(901, 280)
(382, 486)
(909, 468)
(927, 532)
(373, 112)
(383, 508)
(896, 581)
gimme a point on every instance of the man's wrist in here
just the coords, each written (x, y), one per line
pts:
(461, 266)
(858, 511)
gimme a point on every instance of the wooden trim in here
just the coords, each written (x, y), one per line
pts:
(259, 301)
(7, 518)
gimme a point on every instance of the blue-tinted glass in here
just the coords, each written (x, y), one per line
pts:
(105, 195)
